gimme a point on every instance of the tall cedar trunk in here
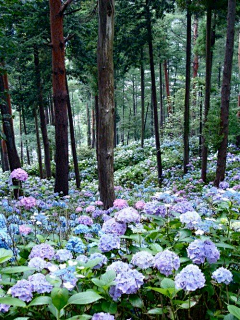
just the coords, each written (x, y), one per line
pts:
(225, 93)
(73, 142)
(134, 108)
(42, 115)
(187, 90)
(142, 100)
(195, 70)
(20, 133)
(154, 93)
(52, 111)
(88, 127)
(25, 132)
(93, 128)
(5, 165)
(13, 158)
(97, 120)
(123, 113)
(59, 96)
(238, 114)
(39, 151)
(207, 92)
(115, 126)
(161, 97)
(106, 102)
(200, 123)
(169, 109)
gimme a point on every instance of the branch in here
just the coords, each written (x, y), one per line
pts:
(49, 44)
(73, 11)
(69, 37)
(64, 6)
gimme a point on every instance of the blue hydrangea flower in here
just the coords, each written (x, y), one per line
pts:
(67, 276)
(81, 228)
(5, 239)
(98, 255)
(127, 215)
(166, 261)
(44, 251)
(76, 245)
(112, 226)
(39, 283)
(142, 259)
(95, 228)
(22, 290)
(109, 242)
(190, 278)
(191, 219)
(38, 263)
(82, 258)
(2, 222)
(222, 275)
(199, 250)
(63, 255)
(4, 307)
(102, 316)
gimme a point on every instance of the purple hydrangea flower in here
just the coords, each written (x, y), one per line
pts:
(4, 307)
(98, 255)
(85, 220)
(118, 266)
(82, 258)
(222, 275)
(139, 205)
(112, 226)
(38, 263)
(182, 207)
(223, 185)
(25, 230)
(28, 202)
(154, 208)
(142, 259)
(109, 242)
(199, 250)
(191, 219)
(63, 255)
(39, 283)
(44, 251)
(120, 203)
(127, 215)
(190, 278)
(19, 174)
(166, 261)
(102, 316)
(22, 290)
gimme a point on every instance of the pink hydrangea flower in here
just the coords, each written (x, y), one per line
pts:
(140, 205)
(98, 203)
(79, 209)
(90, 209)
(24, 230)
(19, 174)
(27, 202)
(120, 203)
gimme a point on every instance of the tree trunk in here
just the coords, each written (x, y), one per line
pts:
(161, 97)
(106, 102)
(39, 151)
(59, 96)
(73, 142)
(88, 127)
(169, 109)
(142, 100)
(25, 132)
(20, 133)
(123, 113)
(187, 90)
(93, 128)
(154, 93)
(207, 93)
(195, 60)
(97, 120)
(5, 165)
(225, 93)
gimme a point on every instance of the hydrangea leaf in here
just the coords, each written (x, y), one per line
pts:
(12, 302)
(59, 297)
(5, 255)
(234, 311)
(10, 270)
(109, 307)
(39, 301)
(187, 305)
(84, 297)
(156, 311)
(136, 301)
(167, 283)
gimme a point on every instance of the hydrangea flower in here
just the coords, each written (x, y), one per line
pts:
(82, 258)
(85, 220)
(199, 250)
(154, 208)
(67, 276)
(38, 263)
(24, 230)
(127, 215)
(223, 185)
(81, 228)
(19, 174)
(90, 209)
(63, 255)
(182, 207)
(4, 308)
(190, 278)
(120, 203)
(102, 316)
(28, 202)
(79, 209)
(142, 259)
(112, 226)
(44, 251)
(109, 242)
(39, 283)
(222, 275)
(191, 219)
(139, 205)
(118, 266)
(98, 255)
(2, 222)
(76, 245)
(98, 203)
(166, 261)
(22, 290)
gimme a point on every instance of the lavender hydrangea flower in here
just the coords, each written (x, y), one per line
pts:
(27, 202)
(4, 308)
(166, 261)
(63, 255)
(142, 259)
(82, 258)
(182, 207)
(191, 219)
(190, 278)
(154, 208)
(98, 255)
(109, 242)
(39, 283)
(222, 275)
(24, 230)
(85, 220)
(44, 251)
(112, 226)
(223, 185)
(102, 316)
(127, 215)
(38, 263)
(118, 266)
(120, 203)
(19, 174)
(199, 250)
(22, 290)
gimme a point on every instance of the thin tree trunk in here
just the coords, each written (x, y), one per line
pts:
(20, 133)
(97, 120)
(59, 94)
(161, 97)
(25, 132)
(106, 102)
(225, 94)
(200, 123)
(142, 99)
(154, 94)
(187, 91)
(5, 165)
(195, 71)
(88, 127)
(169, 109)
(123, 114)
(93, 128)
(39, 151)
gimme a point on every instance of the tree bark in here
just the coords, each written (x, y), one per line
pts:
(39, 151)
(187, 91)
(59, 95)
(169, 109)
(25, 132)
(93, 128)
(142, 99)
(225, 94)
(161, 98)
(106, 102)
(20, 133)
(5, 165)
(88, 127)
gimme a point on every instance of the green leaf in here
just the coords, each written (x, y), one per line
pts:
(59, 297)
(13, 302)
(136, 301)
(156, 311)
(234, 311)
(5, 255)
(186, 304)
(21, 318)
(108, 277)
(84, 298)
(92, 263)
(80, 317)
(167, 283)
(109, 307)
(229, 317)
(156, 248)
(39, 301)
(10, 270)
(224, 245)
